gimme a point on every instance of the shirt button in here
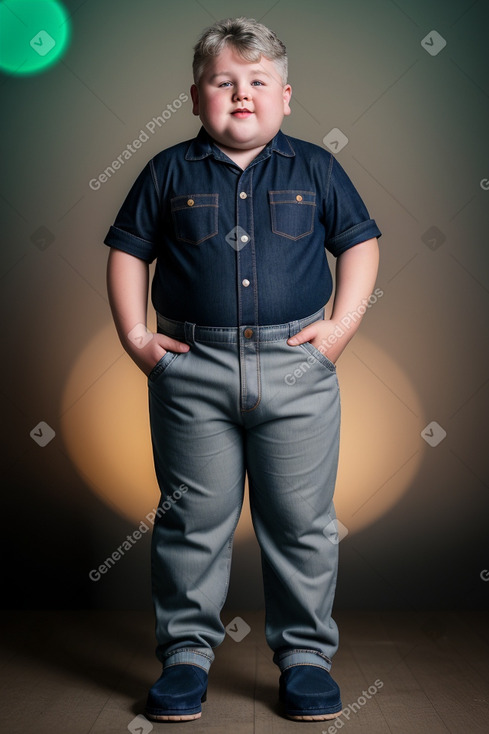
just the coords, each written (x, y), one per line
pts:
(243, 195)
(246, 282)
(298, 197)
(190, 202)
(244, 238)
(248, 333)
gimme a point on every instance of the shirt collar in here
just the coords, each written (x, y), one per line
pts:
(203, 146)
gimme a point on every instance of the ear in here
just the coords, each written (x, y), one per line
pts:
(287, 94)
(194, 93)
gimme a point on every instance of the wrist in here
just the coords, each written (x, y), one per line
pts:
(137, 338)
(346, 324)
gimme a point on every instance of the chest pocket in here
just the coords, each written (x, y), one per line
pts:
(195, 217)
(292, 213)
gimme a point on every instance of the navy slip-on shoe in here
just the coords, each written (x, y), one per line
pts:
(309, 693)
(178, 694)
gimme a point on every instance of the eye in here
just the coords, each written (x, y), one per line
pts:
(224, 84)
(258, 82)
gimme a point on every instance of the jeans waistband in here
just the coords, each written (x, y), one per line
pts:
(189, 332)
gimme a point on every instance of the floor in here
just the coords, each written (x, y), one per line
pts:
(80, 672)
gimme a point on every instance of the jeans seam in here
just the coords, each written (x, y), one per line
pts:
(173, 665)
(230, 548)
(186, 649)
(293, 651)
(295, 665)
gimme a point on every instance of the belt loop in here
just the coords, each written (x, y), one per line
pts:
(189, 331)
(294, 328)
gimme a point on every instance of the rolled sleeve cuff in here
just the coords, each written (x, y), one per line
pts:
(130, 243)
(358, 233)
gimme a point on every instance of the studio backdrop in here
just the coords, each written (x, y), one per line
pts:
(398, 91)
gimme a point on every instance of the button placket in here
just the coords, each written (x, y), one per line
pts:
(247, 297)
(245, 255)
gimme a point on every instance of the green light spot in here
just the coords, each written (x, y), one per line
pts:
(34, 34)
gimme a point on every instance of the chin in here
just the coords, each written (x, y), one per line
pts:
(247, 140)
(238, 143)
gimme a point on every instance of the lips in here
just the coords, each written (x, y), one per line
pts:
(242, 112)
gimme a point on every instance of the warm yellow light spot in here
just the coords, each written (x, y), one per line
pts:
(380, 447)
(105, 426)
(106, 430)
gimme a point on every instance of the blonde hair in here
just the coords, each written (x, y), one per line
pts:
(250, 40)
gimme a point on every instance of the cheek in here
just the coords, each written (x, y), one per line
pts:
(212, 113)
(215, 105)
(273, 106)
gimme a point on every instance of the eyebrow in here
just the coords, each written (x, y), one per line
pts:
(260, 72)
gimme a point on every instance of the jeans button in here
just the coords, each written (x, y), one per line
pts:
(248, 333)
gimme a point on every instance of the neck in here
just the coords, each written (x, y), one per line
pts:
(241, 157)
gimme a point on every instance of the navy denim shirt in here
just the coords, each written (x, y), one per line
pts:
(238, 246)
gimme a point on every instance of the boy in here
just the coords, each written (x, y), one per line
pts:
(238, 220)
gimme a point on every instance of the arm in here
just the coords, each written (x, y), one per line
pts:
(356, 271)
(127, 286)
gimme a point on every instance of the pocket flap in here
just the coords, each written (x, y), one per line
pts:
(292, 197)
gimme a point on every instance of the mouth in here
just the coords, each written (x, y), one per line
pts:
(242, 112)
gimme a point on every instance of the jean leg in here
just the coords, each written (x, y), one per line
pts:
(291, 456)
(198, 454)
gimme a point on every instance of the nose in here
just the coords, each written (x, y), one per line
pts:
(241, 93)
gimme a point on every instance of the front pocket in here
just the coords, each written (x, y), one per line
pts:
(195, 217)
(317, 354)
(292, 213)
(162, 365)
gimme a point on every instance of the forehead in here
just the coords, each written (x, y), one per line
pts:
(230, 62)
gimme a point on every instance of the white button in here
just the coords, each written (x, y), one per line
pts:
(244, 238)
(243, 195)
(246, 282)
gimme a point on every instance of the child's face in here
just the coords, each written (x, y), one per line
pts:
(230, 83)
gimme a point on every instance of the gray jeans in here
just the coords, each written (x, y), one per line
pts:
(244, 401)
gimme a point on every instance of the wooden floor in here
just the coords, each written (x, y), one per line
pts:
(80, 672)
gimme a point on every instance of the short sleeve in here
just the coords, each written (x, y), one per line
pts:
(347, 220)
(137, 224)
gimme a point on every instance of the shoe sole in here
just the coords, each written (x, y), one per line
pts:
(182, 717)
(176, 717)
(315, 717)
